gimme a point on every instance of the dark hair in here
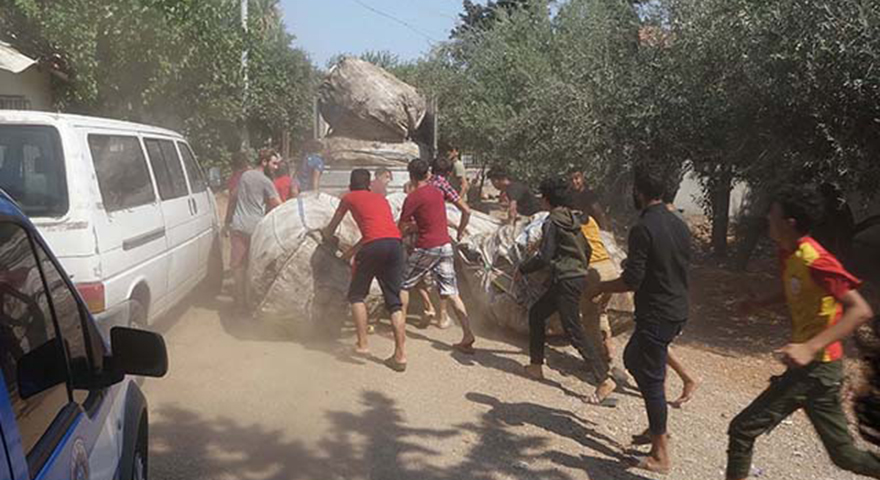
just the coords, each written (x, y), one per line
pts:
(418, 169)
(266, 154)
(441, 166)
(359, 180)
(671, 190)
(574, 170)
(239, 159)
(283, 169)
(649, 182)
(556, 191)
(498, 173)
(382, 171)
(803, 204)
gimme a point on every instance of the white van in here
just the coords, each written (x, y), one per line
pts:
(125, 207)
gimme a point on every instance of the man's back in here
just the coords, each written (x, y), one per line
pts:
(427, 207)
(254, 189)
(657, 267)
(526, 203)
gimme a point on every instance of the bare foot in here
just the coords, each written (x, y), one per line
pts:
(362, 351)
(604, 389)
(652, 464)
(687, 392)
(535, 372)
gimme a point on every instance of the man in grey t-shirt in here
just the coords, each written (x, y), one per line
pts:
(254, 197)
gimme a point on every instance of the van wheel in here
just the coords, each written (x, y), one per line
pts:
(141, 455)
(137, 314)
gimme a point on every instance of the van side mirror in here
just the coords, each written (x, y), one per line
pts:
(138, 352)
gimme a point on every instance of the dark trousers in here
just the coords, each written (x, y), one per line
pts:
(645, 358)
(383, 260)
(563, 297)
(816, 389)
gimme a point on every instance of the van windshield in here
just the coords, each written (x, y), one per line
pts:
(32, 169)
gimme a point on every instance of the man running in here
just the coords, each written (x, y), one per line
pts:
(656, 269)
(379, 255)
(425, 207)
(565, 251)
(253, 197)
(825, 308)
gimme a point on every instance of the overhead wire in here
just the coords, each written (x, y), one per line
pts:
(398, 20)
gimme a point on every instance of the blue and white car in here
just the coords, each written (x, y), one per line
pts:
(69, 410)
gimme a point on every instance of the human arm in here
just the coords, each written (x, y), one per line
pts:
(330, 230)
(595, 211)
(856, 312)
(315, 179)
(230, 207)
(351, 252)
(460, 172)
(465, 217)
(511, 211)
(405, 223)
(636, 263)
(546, 251)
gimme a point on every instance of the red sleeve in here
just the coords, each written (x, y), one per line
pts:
(830, 275)
(407, 210)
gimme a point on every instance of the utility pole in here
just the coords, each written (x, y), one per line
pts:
(245, 134)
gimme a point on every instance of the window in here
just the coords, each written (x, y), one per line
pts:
(14, 102)
(166, 167)
(122, 172)
(32, 169)
(193, 170)
(71, 321)
(32, 359)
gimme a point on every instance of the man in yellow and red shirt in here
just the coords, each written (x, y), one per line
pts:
(825, 308)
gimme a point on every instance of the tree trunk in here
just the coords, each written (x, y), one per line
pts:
(721, 214)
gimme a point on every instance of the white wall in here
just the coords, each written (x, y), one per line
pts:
(690, 191)
(32, 83)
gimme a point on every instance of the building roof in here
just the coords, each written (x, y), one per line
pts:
(12, 60)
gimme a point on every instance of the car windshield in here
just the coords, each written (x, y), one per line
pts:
(32, 169)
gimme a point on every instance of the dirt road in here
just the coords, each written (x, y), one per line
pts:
(243, 402)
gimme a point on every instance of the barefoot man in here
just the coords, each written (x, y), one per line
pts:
(825, 308)
(379, 254)
(656, 269)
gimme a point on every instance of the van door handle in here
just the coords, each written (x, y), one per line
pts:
(195, 206)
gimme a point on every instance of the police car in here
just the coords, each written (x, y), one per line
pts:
(68, 409)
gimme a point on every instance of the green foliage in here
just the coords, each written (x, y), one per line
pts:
(172, 63)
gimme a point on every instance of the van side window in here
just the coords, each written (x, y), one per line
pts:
(32, 359)
(166, 167)
(85, 349)
(193, 170)
(32, 169)
(122, 172)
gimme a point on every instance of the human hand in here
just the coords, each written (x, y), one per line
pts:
(460, 235)
(796, 354)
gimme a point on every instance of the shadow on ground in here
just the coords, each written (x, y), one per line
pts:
(378, 444)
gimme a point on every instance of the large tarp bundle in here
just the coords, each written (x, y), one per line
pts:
(361, 100)
(490, 260)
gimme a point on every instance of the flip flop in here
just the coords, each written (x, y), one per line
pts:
(608, 401)
(465, 348)
(393, 364)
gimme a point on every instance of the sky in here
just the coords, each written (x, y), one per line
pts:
(407, 28)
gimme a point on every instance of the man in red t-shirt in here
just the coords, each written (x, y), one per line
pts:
(379, 255)
(425, 210)
(825, 308)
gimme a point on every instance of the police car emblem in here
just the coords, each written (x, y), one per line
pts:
(79, 461)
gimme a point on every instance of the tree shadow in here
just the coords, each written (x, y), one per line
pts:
(376, 444)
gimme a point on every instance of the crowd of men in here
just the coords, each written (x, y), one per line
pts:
(403, 254)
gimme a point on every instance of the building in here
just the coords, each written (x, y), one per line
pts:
(25, 83)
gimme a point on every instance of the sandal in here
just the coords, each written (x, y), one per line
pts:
(393, 364)
(608, 401)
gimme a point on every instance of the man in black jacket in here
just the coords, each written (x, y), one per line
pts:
(565, 250)
(657, 270)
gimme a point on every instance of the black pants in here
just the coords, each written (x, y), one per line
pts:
(645, 358)
(564, 297)
(381, 259)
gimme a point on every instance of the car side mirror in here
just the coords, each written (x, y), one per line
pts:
(138, 352)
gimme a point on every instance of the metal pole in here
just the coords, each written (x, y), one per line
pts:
(245, 134)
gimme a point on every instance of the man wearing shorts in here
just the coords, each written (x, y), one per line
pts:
(425, 210)
(379, 255)
(253, 197)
